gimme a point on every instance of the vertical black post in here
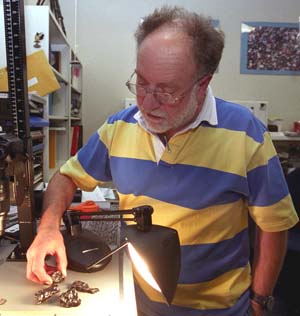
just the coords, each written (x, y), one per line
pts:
(14, 22)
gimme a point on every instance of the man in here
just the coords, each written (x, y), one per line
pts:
(203, 164)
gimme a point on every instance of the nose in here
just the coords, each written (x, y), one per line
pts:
(149, 101)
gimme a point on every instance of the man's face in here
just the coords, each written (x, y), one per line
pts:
(165, 63)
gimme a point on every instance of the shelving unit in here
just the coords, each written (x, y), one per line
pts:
(76, 104)
(62, 109)
(288, 149)
(37, 132)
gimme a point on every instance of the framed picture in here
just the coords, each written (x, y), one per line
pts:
(216, 23)
(270, 48)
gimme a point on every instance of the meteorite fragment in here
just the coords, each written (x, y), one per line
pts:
(83, 287)
(44, 294)
(69, 298)
(57, 277)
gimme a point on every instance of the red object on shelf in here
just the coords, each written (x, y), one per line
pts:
(297, 127)
(75, 138)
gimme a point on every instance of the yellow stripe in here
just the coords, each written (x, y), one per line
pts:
(129, 141)
(83, 180)
(221, 292)
(277, 217)
(208, 140)
(264, 153)
(214, 220)
(104, 134)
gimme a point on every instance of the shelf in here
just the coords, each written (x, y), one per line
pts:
(38, 177)
(56, 33)
(39, 186)
(57, 129)
(57, 112)
(38, 134)
(36, 98)
(57, 118)
(59, 76)
(74, 89)
(280, 136)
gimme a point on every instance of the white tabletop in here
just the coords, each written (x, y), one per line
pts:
(115, 282)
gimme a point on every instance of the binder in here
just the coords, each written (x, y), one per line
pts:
(52, 149)
(37, 121)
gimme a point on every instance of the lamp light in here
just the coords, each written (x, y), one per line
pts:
(153, 249)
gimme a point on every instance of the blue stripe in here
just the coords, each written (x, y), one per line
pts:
(200, 263)
(273, 24)
(199, 187)
(272, 189)
(150, 308)
(125, 115)
(239, 118)
(94, 159)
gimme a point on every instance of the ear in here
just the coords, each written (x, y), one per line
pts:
(202, 86)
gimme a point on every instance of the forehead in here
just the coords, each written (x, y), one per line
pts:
(166, 56)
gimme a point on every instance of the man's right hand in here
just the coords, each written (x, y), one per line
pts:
(47, 242)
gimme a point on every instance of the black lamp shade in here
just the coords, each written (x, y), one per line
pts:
(158, 246)
(84, 250)
(160, 249)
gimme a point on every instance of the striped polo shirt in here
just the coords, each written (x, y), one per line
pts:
(205, 186)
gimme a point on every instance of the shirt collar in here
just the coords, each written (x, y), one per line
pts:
(208, 114)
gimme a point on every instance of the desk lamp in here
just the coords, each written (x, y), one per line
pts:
(154, 250)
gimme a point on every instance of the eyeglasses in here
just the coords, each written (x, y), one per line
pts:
(162, 97)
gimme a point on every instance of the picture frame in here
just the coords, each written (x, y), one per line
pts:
(270, 48)
(216, 25)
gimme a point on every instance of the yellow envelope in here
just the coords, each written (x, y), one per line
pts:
(3, 80)
(40, 75)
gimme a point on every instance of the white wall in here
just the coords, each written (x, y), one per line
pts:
(106, 47)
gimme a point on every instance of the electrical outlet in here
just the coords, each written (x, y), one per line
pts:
(129, 101)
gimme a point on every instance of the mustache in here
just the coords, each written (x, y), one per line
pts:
(158, 113)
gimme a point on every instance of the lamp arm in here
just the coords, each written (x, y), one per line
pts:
(98, 215)
(136, 211)
(141, 215)
(123, 245)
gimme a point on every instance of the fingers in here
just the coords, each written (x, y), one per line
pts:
(42, 246)
(62, 261)
(35, 270)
